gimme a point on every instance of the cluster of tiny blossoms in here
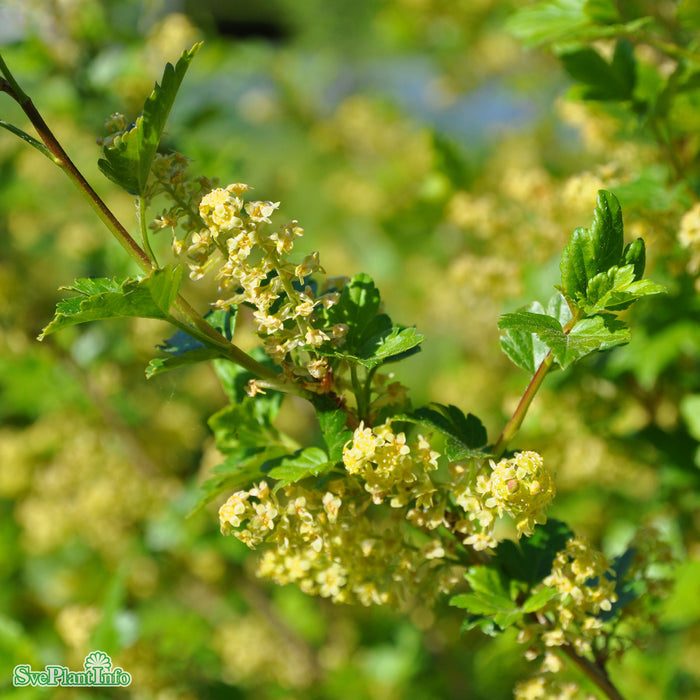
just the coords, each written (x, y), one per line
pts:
(585, 587)
(520, 487)
(547, 687)
(390, 468)
(346, 545)
(328, 545)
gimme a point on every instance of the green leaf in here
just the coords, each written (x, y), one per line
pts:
(600, 332)
(635, 255)
(357, 307)
(128, 160)
(603, 11)
(186, 350)
(159, 365)
(594, 250)
(465, 434)
(311, 461)
(234, 378)
(527, 340)
(538, 600)
(571, 20)
(148, 297)
(546, 328)
(372, 339)
(549, 21)
(332, 422)
(530, 559)
(489, 597)
(616, 289)
(238, 471)
(602, 80)
(27, 138)
(247, 424)
(388, 345)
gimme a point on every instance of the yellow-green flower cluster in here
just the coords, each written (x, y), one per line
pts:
(253, 268)
(547, 687)
(585, 586)
(327, 544)
(390, 468)
(520, 487)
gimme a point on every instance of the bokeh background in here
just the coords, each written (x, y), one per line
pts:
(417, 141)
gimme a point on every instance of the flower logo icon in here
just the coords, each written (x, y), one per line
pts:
(97, 659)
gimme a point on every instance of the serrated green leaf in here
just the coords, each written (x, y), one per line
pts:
(489, 597)
(99, 299)
(247, 424)
(607, 231)
(466, 434)
(617, 289)
(531, 332)
(332, 421)
(601, 286)
(357, 307)
(128, 160)
(530, 559)
(600, 332)
(397, 344)
(525, 350)
(538, 600)
(311, 461)
(372, 339)
(595, 250)
(546, 328)
(602, 80)
(635, 255)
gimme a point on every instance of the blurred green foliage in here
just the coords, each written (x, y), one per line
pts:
(415, 140)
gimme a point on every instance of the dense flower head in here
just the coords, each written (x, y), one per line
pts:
(327, 545)
(520, 487)
(523, 488)
(390, 468)
(218, 230)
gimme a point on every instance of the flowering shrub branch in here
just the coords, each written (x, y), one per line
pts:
(399, 502)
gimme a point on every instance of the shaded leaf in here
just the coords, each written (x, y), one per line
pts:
(465, 434)
(186, 350)
(247, 424)
(530, 560)
(238, 471)
(489, 597)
